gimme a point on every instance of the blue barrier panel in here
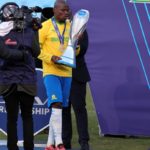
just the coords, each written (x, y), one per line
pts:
(41, 113)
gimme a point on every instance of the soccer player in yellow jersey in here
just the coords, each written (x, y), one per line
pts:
(53, 38)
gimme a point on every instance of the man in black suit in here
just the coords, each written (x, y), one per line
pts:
(80, 77)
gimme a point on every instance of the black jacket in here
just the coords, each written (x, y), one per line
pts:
(17, 50)
(80, 73)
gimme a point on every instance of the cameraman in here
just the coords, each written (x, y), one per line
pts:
(17, 75)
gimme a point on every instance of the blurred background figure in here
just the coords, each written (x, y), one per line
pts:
(46, 13)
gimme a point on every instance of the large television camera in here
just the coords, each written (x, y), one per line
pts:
(22, 16)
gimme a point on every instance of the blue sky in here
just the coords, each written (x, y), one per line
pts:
(31, 3)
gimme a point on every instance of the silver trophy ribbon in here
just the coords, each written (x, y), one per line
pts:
(78, 26)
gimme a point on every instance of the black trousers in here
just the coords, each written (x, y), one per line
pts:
(13, 102)
(78, 101)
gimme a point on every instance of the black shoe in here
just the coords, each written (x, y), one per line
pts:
(85, 146)
(67, 146)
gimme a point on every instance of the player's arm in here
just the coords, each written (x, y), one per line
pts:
(44, 56)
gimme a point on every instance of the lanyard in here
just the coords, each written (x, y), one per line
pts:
(61, 37)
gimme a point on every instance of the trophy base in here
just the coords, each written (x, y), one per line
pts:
(67, 61)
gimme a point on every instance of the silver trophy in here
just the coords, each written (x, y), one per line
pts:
(78, 26)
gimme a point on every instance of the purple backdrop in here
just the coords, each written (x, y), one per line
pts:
(118, 59)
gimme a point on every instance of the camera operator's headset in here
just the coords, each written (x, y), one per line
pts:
(7, 11)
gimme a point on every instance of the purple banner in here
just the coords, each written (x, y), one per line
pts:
(119, 63)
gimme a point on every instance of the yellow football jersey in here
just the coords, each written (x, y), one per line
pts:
(50, 45)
